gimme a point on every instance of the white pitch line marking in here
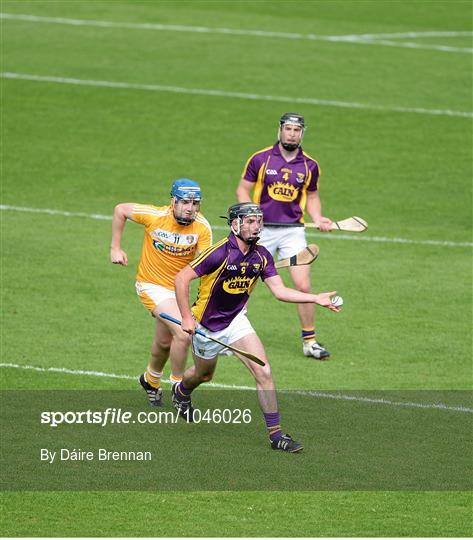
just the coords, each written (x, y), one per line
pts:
(335, 236)
(363, 39)
(225, 94)
(427, 34)
(323, 395)
(410, 45)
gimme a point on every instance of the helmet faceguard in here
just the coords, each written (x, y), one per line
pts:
(293, 119)
(238, 212)
(182, 192)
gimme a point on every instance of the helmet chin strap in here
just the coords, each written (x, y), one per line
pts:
(181, 219)
(290, 147)
(250, 241)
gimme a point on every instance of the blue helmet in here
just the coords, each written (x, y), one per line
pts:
(186, 189)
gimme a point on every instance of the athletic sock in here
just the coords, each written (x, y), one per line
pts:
(153, 378)
(181, 391)
(173, 379)
(273, 425)
(308, 334)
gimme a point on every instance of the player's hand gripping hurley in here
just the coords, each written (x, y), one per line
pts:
(248, 355)
(351, 224)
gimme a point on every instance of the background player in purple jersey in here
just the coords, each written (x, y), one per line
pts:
(228, 272)
(284, 181)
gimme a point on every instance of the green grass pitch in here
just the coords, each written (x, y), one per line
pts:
(389, 122)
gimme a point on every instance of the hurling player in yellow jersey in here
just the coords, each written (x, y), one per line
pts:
(174, 234)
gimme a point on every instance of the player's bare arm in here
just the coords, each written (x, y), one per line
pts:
(122, 212)
(286, 294)
(181, 286)
(314, 209)
(243, 191)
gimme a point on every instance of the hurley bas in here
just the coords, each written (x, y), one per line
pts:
(102, 454)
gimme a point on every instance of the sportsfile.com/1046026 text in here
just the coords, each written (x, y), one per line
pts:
(118, 416)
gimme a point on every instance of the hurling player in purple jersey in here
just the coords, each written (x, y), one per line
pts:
(228, 273)
(284, 181)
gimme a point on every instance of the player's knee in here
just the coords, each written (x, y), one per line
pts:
(159, 345)
(264, 374)
(303, 287)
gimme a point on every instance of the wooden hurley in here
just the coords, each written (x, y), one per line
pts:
(351, 224)
(306, 256)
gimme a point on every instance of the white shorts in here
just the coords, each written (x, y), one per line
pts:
(152, 295)
(207, 349)
(283, 241)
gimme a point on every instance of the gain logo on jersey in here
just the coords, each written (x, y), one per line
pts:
(238, 284)
(282, 191)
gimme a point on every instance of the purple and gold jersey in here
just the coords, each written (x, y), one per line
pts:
(227, 278)
(280, 186)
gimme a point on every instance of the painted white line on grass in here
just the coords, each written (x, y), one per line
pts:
(423, 34)
(363, 39)
(323, 395)
(381, 401)
(53, 212)
(225, 94)
(93, 373)
(389, 240)
(332, 236)
(412, 45)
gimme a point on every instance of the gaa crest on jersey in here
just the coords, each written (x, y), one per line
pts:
(174, 238)
(162, 234)
(282, 191)
(300, 178)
